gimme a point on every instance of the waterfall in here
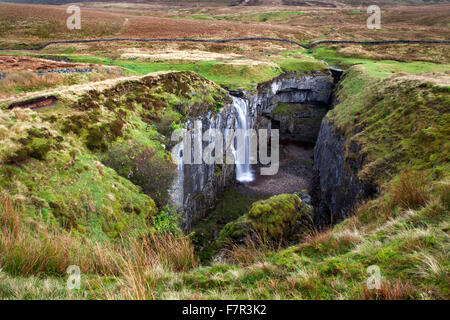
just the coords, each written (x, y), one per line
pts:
(243, 171)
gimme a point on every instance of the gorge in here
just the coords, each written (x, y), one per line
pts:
(296, 106)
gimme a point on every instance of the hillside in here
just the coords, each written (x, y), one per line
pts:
(88, 175)
(404, 230)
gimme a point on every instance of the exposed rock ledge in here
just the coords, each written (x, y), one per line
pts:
(198, 186)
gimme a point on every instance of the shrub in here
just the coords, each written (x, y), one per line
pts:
(152, 171)
(167, 220)
(99, 135)
(410, 190)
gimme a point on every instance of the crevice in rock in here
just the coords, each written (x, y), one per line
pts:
(296, 106)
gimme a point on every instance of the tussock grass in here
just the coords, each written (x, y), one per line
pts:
(28, 81)
(410, 190)
(253, 251)
(143, 263)
(137, 263)
(397, 290)
(24, 251)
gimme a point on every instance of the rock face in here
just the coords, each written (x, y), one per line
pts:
(294, 105)
(199, 185)
(289, 88)
(299, 121)
(339, 187)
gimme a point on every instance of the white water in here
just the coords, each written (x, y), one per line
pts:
(243, 171)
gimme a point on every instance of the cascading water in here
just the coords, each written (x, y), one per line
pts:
(243, 170)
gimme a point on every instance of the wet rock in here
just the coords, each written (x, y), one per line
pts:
(198, 185)
(339, 187)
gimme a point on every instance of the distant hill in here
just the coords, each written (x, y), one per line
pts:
(134, 1)
(330, 3)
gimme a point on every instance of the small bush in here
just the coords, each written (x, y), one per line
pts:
(167, 220)
(152, 171)
(410, 190)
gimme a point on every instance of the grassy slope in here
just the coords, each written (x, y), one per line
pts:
(378, 68)
(404, 231)
(51, 160)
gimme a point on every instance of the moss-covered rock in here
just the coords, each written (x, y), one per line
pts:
(281, 218)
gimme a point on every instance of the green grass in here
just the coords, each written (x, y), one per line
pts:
(200, 17)
(354, 12)
(260, 17)
(406, 123)
(400, 123)
(232, 76)
(379, 68)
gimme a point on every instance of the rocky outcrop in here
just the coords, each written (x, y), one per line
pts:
(199, 185)
(294, 105)
(336, 174)
(281, 218)
(290, 88)
(299, 121)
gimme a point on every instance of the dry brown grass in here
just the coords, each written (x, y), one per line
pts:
(26, 250)
(251, 252)
(397, 290)
(410, 190)
(138, 263)
(142, 263)
(38, 22)
(27, 80)
(18, 83)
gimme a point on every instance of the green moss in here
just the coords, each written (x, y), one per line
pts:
(279, 218)
(37, 143)
(401, 122)
(230, 206)
(278, 215)
(284, 109)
